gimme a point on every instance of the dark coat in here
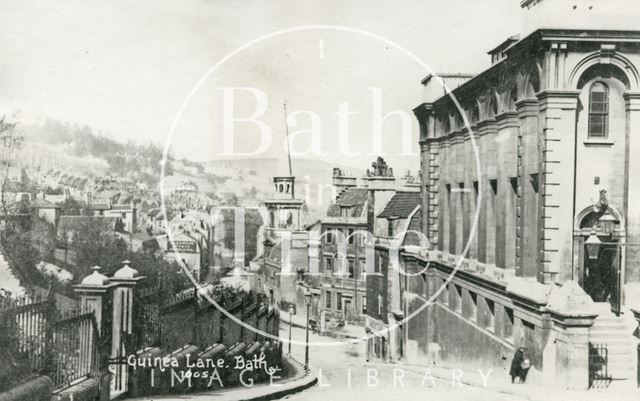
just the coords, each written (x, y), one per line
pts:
(518, 357)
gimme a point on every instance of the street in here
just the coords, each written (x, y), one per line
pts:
(344, 374)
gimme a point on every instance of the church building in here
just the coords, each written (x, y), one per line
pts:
(531, 200)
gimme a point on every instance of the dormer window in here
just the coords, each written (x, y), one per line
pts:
(344, 211)
(598, 110)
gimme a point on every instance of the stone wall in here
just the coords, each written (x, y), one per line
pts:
(477, 321)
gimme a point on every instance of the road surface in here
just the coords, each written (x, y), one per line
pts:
(344, 374)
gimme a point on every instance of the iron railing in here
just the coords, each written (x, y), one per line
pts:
(599, 376)
(75, 349)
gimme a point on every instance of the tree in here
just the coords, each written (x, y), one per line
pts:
(22, 255)
(71, 207)
(11, 141)
(157, 270)
(95, 243)
(43, 238)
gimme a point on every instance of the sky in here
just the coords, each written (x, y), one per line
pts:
(126, 68)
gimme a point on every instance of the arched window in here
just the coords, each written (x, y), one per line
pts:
(598, 110)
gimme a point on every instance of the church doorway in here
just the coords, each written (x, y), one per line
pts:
(599, 266)
(600, 274)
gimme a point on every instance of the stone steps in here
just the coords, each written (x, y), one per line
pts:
(614, 333)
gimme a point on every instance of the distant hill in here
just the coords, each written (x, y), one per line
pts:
(317, 170)
(79, 148)
(313, 178)
(135, 160)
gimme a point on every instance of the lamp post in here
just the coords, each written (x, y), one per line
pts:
(290, 315)
(307, 300)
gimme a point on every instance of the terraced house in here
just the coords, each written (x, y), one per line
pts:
(531, 190)
(342, 254)
(342, 243)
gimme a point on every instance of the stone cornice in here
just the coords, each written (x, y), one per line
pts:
(527, 107)
(423, 110)
(557, 93)
(558, 99)
(526, 102)
(506, 115)
(456, 137)
(632, 101)
(628, 95)
(487, 126)
(507, 119)
(433, 141)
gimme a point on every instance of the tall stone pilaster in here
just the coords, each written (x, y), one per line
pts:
(528, 186)
(556, 184)
(471, 197)
(432, 213)
(428, 169)
(487, 221)
(632, 187)
(506, 144)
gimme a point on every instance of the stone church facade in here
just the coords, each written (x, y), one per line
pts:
(524, 167)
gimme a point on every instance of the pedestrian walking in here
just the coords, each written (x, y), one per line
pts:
(520, 365)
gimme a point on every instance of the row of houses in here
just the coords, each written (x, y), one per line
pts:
(333, 256)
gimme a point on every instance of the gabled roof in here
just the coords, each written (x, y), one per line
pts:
(412, 237)
(99, 206)
(75, 223)
(401, 205)
(43, 204)
(121, 207)
(354, 198)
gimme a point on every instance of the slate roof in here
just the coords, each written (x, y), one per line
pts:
(121, 207)
(401, 205)
(412, 238)
(354, 198)
(43, 204)
(75, 223)
(99, 206)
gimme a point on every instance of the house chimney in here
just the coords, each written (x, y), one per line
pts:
(410, 183)
(342, 181)
(381, 185)
(379, 177)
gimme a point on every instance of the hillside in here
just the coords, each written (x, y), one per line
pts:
(246, 182)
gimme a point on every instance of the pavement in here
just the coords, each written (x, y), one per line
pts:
(344, 374)
(299, 380)
(348, 331)
(8, 280)
(338, 371)
(500, 383)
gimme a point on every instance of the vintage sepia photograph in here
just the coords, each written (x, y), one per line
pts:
(210, 200)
